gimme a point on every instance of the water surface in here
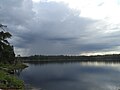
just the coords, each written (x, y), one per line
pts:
(73, 76)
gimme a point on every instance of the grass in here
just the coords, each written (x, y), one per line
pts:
(8, 81)
(12, 66)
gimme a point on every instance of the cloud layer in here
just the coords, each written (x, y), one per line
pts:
(51, 27)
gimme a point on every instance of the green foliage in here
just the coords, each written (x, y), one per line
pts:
(7, 54)
(9, 81)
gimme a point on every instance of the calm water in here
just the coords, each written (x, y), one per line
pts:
(73, 76)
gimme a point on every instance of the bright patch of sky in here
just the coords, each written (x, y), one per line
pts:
(95, 9)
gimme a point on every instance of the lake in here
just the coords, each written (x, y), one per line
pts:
(72, 76)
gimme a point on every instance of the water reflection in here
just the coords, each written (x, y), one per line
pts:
(73, 76)
(100, 64)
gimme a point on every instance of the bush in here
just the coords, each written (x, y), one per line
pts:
(10, 81)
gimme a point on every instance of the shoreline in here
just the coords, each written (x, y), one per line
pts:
(8, 79)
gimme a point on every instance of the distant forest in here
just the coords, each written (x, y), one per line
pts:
(101, 58)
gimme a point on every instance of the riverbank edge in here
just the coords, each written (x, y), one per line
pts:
(8, 80)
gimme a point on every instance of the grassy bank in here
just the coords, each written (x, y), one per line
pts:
(8, 80)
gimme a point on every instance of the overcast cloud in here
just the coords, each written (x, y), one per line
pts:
(62, 26)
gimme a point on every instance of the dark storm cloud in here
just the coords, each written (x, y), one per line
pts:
(52, 28)
(15, 12)
(94, 47)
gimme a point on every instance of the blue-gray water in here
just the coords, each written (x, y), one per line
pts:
(73, 76)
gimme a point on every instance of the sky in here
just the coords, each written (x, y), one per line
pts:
(62, 27)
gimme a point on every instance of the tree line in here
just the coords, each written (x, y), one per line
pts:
(103, 58)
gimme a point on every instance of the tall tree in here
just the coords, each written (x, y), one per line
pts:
(6, 50)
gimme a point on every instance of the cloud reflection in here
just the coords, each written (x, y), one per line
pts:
(100, 64)
(73, 76)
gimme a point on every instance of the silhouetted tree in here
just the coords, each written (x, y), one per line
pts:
(6, 50)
